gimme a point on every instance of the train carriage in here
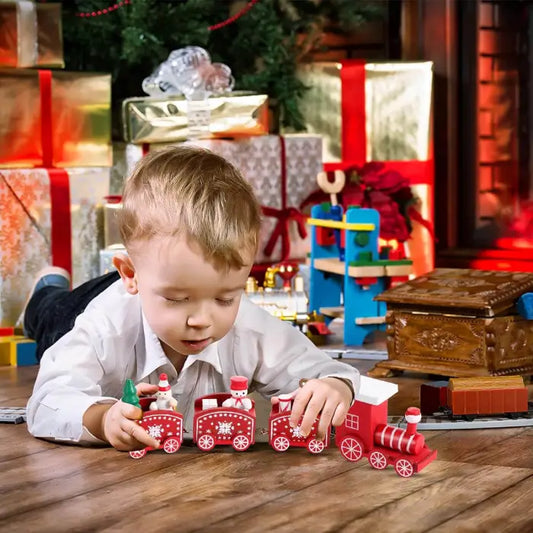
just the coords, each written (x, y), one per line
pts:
(217, 425)
(164, 425)
(479, 396)
(282, 436)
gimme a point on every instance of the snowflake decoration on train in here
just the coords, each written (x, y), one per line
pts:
(225, 428)
(155, 431)
(296, 432)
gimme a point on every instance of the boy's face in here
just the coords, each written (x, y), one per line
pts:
(187, 302)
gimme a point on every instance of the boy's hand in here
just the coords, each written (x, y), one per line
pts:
(121, 429)
(329, 397)
(120, 425)
(117, 423)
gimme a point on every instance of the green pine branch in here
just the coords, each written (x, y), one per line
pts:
(262, 47)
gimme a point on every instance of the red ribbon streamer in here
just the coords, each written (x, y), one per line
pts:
(59, 181)
(281, 229)
(354, 139)
(353, 110)
(284, 215)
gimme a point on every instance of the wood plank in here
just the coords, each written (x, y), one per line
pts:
(482, 480)
(335, 266)
(42, 479)
(503, 447)
(398, 270)
(368, 500)
(508, 511)
(362, 320)
(335, 311)
(226, 481)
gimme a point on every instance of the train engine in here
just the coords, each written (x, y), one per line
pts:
(217, 425)
(282, 436)
(365, 433)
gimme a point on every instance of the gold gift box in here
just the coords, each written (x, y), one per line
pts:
(398, 107)
(80, 126)
(31, 35)
(157, 120)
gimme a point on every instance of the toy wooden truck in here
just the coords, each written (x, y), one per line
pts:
(458, 322)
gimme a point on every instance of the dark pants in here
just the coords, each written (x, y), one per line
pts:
(52, 311)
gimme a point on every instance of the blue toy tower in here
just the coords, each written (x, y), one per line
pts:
(345, 278)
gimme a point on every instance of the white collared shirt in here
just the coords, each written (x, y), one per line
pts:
(111, 342)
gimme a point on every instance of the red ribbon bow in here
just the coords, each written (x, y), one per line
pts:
(281, 229)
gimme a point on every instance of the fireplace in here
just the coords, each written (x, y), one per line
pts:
(483, 56)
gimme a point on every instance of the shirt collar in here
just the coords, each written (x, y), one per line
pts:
(150, 354)
(209, 355)
(154, 356)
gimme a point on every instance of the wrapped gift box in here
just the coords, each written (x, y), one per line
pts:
(377, 112)
(54, 119)
(48, 216)
(31, 35)
(369, 111)
(282, 171)
(163, 120)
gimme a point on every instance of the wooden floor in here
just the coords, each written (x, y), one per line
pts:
(481, 481)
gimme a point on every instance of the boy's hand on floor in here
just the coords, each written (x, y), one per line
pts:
(328, 397)
(121, 429)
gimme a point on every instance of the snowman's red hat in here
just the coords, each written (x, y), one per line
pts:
(239, 383)
(163, 383)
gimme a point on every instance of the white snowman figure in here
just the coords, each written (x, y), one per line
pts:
(163, 397)
(239, 391)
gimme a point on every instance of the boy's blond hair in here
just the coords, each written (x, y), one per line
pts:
(185, 190)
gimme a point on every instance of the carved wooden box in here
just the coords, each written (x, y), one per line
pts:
(458, 322)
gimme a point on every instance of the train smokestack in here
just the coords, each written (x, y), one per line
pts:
(413, 417)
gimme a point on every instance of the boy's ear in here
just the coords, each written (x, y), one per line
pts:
(123, 264)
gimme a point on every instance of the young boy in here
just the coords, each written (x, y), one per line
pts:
(190, 225)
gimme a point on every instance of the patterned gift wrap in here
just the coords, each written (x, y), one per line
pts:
(31, 34)
(40, 226)
(54, 119)
(282, 171)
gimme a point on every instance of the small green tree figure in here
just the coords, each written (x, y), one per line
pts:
(129, 394)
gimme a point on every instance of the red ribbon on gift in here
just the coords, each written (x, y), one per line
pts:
(353, 136)
(281, 229)
(354, 140)
(59, 181)
(283, 215)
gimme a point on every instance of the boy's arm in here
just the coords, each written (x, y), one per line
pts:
(285, 356)
(93, 420)
(70, 381)
(117, 423)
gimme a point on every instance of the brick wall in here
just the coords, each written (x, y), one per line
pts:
(497, 113)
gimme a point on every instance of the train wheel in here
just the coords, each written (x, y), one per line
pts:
(281, 444)
(206, 443)
(241, 443)
(315, 446)
(404, 468)
(137, 454)
(377, 460)
(351, 449)
(171, 445)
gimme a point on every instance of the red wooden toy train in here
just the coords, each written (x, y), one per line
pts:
(365, 432)
(468, 398)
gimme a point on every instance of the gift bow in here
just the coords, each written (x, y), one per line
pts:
(281, 229)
